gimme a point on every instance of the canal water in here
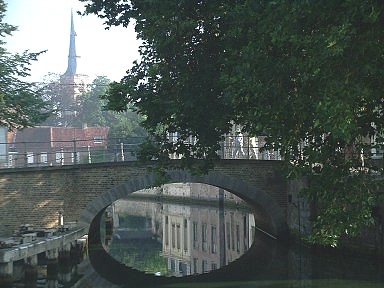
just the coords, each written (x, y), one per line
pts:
(208, 241)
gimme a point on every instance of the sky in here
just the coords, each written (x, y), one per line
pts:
(45, 25)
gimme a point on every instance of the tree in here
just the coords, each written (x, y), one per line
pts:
(308, 74)
(93, 112)
(52, 91)
(21, 102)
(91, 105)
(59, 92)
(91, 109)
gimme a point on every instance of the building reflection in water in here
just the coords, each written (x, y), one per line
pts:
(214, 229)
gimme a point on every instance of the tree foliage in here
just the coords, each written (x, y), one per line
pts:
(90, 109)
(91, 105)
(308, 74)
(21, 102)
(51, 89)
(94, 112)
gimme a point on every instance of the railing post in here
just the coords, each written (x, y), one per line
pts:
(25, 154)
(114, 150)
(122, 151)
(89, 155)
(222, 147)
(74, 152)
(61, 156)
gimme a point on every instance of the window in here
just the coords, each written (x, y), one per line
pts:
(173, 265)
(183, 269)
(98, 140)
(204, 266)
(228, 230)
(204, 236)
(195, 269)
(30, 158)
(12, 156)
(195, 240)
(166, 231)
(60, 157)
(185, 236)
(213, 266)
(213, 239)
(43, 157)
(173, 235)
(178, 235)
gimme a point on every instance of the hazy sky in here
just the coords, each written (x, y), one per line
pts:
(45, 25)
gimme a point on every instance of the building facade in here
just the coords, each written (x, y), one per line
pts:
(195, 239)
(43, 146)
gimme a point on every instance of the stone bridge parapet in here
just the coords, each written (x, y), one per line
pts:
(37, 195)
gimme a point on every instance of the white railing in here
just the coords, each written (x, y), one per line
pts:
(82, 151)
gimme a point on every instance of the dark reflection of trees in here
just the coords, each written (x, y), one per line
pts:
(141, 254)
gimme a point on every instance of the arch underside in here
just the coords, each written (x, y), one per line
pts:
(264, 206)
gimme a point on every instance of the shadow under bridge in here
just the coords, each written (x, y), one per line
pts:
(265, 199)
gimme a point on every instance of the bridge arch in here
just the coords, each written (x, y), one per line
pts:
(114, 271)
(270, 213)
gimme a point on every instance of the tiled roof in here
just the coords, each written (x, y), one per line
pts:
(61, 136)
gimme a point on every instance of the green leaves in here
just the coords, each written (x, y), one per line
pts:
(308, 74)
(21, 103)
(345, 211)
(178, 74)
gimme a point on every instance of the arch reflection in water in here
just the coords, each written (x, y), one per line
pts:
(179, 229)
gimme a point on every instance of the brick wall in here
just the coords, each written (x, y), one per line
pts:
(36, 195)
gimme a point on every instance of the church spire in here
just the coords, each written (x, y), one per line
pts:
(71, 69)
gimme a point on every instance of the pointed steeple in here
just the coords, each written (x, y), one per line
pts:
(71, 69)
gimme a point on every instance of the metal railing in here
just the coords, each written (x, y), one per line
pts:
(82, 151)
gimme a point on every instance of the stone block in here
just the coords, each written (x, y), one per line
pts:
(26, 227)
(52, 254)
(6, 269)
(29, 237)
(50, 232)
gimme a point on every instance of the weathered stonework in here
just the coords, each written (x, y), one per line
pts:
(36, 195)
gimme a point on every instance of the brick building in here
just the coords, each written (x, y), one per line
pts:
(64, 144)
(42, 146)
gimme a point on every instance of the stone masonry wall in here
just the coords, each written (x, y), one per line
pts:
(36, 195)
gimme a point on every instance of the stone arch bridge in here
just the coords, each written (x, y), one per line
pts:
(37, 195)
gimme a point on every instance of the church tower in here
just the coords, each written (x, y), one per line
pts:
(72, 84)
(72, 61)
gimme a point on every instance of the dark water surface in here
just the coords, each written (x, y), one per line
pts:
(222, 246)
(208, 243)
